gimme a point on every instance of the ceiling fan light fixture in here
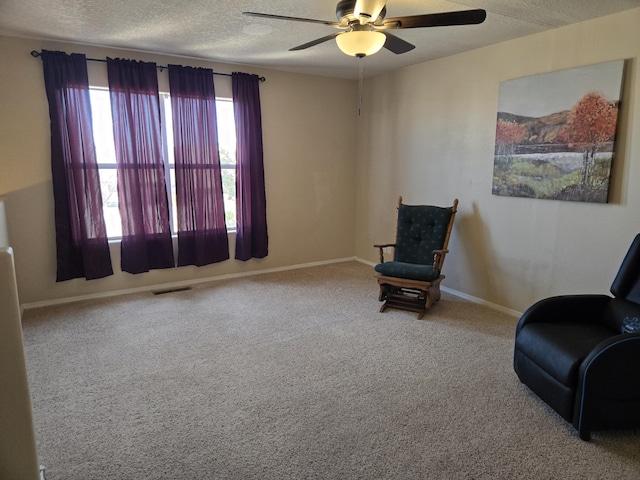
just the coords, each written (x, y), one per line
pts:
(361, 43)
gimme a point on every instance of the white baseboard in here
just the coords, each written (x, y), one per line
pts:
(174, 285)
(480, 301)
(366, 262)
(466, 296)
(186, 283)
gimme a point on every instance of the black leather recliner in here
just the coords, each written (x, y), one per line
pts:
(581, 353)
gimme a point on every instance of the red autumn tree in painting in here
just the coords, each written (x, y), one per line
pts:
(591, 122)
(508, 135)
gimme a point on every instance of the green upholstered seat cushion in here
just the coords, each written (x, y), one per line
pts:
(421, 230)
(408, 270)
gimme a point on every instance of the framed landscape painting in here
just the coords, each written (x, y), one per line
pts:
(555, 134)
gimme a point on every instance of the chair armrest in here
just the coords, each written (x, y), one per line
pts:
(382, 247)
(609, 383)
(438, 258)
(613, 363)
(565, 308)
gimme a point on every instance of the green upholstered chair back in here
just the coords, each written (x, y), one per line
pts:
(421, 230)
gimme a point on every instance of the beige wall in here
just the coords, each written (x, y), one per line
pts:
(427, 133)
(309, 168)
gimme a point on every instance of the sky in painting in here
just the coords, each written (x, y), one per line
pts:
(553, 92)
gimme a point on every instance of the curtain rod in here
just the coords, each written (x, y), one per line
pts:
(36, 54)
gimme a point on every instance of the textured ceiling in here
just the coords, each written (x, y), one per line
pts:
(217, 30)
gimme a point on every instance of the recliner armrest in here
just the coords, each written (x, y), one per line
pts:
(565, 308)
(609, 384)
(613, 363)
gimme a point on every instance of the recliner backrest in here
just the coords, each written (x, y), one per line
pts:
(421, 230)
(627, 282)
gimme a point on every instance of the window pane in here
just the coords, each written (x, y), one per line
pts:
(102, 126)
(109, 189)
(227, 148)
(167, 151)
(173, 192)
(226, 132)
(106, 155)
(167, 133)
(229, 193)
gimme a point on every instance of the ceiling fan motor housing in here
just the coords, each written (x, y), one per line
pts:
(345, 9)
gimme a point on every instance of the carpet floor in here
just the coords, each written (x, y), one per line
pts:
(294, 375)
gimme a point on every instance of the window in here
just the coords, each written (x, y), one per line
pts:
(105, 152)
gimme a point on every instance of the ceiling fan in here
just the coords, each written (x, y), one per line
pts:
(365, 30)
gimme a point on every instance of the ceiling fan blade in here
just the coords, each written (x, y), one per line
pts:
(397, 45)
(293, 19)
(464, 17)
(368, 10)
(315, 42)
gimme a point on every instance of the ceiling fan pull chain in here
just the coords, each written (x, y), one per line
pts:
(361, 67)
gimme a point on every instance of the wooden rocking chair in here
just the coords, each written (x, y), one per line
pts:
(412, 280)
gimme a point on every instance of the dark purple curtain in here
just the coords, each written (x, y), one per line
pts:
(142, 193)
(251, 204)
(81, 237)
(202, 233)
